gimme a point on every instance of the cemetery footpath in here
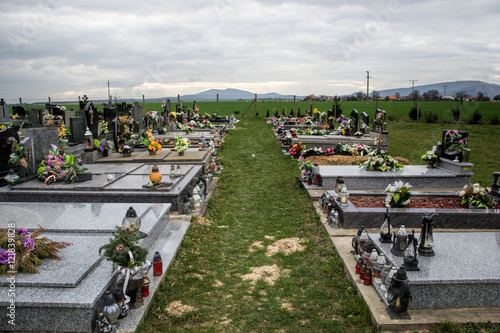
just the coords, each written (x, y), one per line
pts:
(258, 207)
(259, 259)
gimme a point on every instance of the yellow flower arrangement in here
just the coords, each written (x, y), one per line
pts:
(172, 114)
(63, 131)
(150, 142)
(154, 146)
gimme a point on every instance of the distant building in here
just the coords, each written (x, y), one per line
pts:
(311, 97)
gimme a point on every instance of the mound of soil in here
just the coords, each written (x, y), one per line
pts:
(346, 160)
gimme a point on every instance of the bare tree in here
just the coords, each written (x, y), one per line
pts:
(360, 95)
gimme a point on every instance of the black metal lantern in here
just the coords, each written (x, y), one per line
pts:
(322, 201)
(399, 293)
(410, 253)
(400, 241)
(120, 301)
(356, 238)
(133, 222)
(386, 229)
(426, 242)
(110, 310)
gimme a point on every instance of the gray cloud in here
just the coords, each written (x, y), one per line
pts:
(66, 48)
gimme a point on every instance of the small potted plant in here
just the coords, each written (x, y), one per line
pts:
(398, 195)
(152, 145)
(430, 157)
(63, 137)
(181, 145)
(104, 146)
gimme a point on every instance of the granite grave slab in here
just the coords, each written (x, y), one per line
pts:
(462, 218)
(123, 184)
(419, 176)
(47, 308)
(460, 275)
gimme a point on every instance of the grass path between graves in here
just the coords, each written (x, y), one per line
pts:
(212, 286)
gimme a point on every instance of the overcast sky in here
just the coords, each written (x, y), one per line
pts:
(67, 48)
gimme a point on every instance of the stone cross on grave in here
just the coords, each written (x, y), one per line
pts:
(364, 123)
(4, 111)
(354, 119)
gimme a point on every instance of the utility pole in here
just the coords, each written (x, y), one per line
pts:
(444, 95)
(109, 94)
(413, 88)
(367, 85)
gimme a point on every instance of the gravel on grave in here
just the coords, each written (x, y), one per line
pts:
(346, 160)
(379, 202)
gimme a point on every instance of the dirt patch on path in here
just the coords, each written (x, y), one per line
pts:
(177, 309)
(286, 246)
(267, 273)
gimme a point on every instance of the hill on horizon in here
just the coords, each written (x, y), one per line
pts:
(230, 94)
(470, 87)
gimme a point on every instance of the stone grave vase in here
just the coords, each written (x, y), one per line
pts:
(430, 162)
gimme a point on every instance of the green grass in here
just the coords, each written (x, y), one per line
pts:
(258, 196)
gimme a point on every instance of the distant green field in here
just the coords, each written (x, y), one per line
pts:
(397, 109)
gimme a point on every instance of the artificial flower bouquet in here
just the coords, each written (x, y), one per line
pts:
(476, 196)
(398, 194)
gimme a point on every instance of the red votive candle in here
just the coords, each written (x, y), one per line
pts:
(157, 264)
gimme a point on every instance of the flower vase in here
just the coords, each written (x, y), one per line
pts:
(21, 171)
(180, 153)
(187, 132)
(63, 144)
(294, 134)
(105, 152)
(152, 152)
(465, 155)
(430, 163)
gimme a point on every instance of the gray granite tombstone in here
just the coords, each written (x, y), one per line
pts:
(67, 115)
(355, 119)
(34, 117)
(138, 116)
(42, 140)
(4, 111)
(449, 152)
(364, 123)
(109, 112)
(77, 128)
